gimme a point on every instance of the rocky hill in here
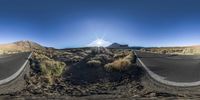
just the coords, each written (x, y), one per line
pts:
(20, 46)
(117, 45)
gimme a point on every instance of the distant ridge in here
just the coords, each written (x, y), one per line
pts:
(117, 45)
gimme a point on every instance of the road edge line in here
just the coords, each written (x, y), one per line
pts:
(16, 74)
(162, 80)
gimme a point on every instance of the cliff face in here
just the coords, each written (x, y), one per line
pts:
(117, 45)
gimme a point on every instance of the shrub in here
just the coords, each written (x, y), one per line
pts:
(40, 57)
(131, 57)
(95, 63)
(120, 55)
(58, 68)
(119, 65)
(77, 57)
(164, 52)
(103, 58)
(46, 72)
(51, 69)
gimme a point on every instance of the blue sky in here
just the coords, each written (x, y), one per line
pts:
(76, 23)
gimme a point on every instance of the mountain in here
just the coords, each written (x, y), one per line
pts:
(117, 45)
(21, 46)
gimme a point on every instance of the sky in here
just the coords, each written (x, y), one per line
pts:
(77, 23)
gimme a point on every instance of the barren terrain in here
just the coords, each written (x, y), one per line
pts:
(187, 50)
(85, 72)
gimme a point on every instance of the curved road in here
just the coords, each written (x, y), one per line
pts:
(12, 65)
(172, 70)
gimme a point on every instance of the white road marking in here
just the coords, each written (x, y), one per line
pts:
(12, 77)
(163, 79)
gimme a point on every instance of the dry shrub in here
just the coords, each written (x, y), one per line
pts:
(83, 54)
(120, 55)
(130, 56)
(51, 69)
(67, 53)
(191, 51)
(101, 50)
(103, 58)
(40, 57)
(1, 52)
(94, 63)
(175, 50)
(77, 57)
(119, 65)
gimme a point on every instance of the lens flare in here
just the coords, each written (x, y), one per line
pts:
(99, 43)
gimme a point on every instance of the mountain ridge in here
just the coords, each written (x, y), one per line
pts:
(117, 45)
(21, 46)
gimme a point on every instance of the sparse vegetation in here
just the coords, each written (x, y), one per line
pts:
(55, 67)
(49, 68)
(118, 60)
(175, 50)
(120, 54)
(103, 58)
(94, 63)
(99, 72)
(121, 64)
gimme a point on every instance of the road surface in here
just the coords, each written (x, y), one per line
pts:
(10, 64)
(174, 69)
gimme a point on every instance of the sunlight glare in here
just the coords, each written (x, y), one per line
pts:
(99, 43)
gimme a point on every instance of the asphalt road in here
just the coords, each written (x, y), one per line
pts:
(172, 68)
(10, 64)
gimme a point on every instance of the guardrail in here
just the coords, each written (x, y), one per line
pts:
(162, 79)
(16, 74)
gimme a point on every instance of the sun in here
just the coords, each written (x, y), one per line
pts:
(99, 42)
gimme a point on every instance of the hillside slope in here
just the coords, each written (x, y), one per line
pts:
(20, 46)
